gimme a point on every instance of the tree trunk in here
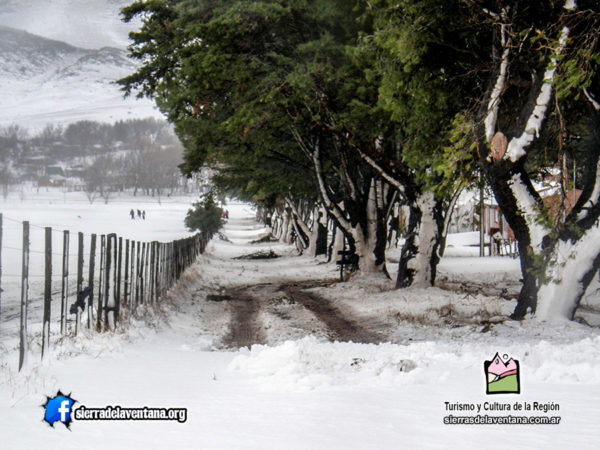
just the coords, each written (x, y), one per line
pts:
(337, 244)
(275, 225)
(319, 231)
(419, 258)
(286, 228)
(321, 248)
(301, 238)
(569, 273)
(300, 227)
(519, 202)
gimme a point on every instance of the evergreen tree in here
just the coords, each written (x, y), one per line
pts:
(205, 217)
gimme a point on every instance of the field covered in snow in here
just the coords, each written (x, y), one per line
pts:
(306, 385)
(48, 207)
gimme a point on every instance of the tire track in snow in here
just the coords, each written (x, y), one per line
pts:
(244, 328)
(343, 328)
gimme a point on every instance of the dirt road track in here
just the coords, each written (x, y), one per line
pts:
(244, 328)
(245, 303)
(342, 327)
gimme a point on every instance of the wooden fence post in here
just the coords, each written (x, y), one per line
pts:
(126, 275)
(100, 283)
(175, 262)
(163, 275)
(166, 268)
(163, 270)
(79, 279)
(152, 277)
(107, 260)
(156, 268)
(47, 290)
(132, 280)
(118, 293)
(142, 267)
(137, 273)
(24, 297)
(92, 268)
(147, 280)
(64, 292)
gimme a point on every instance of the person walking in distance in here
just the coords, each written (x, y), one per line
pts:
(132, 214)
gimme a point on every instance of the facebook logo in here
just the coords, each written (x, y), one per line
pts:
(58, 409)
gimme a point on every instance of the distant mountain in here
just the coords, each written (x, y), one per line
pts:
(47, 81)
(89, 24)
(27, 56)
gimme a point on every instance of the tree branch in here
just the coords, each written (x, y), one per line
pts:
(494, 103)
(516, 147)
(335, 210)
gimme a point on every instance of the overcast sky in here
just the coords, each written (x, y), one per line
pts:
(83, 23)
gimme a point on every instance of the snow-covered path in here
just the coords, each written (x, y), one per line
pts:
(302, 391)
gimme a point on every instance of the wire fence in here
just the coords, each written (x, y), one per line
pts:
(73, 280)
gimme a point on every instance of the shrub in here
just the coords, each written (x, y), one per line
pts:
(205, 216)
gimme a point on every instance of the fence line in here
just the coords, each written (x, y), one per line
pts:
(142, 275)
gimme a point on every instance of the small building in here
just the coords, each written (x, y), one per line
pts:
(76, 171)
(52, 181)
(494, 222)
(55, 171)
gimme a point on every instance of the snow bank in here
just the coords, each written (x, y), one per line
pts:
(310, 364)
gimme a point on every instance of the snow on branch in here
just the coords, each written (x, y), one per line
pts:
(486, 11)
(492, 115)
(516, 147)
(591, 99)
(529, 207)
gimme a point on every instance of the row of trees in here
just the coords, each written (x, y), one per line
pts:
(137, 154)
(151, 170)
(83, 138)
(352, 106)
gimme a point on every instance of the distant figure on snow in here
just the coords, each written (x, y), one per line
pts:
(132, 214)
(139, 213)
(144, 214)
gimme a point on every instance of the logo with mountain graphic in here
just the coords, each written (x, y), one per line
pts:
(502, 375)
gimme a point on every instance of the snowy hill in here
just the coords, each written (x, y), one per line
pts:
(89, 24)
(47, 81)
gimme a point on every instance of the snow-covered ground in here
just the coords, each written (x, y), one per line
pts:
(298, 389)
(83, 23)
(49, 207)
(65, 68)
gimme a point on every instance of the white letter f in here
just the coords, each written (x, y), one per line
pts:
(63, 410)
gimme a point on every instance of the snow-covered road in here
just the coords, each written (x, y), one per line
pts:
(300, 390)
